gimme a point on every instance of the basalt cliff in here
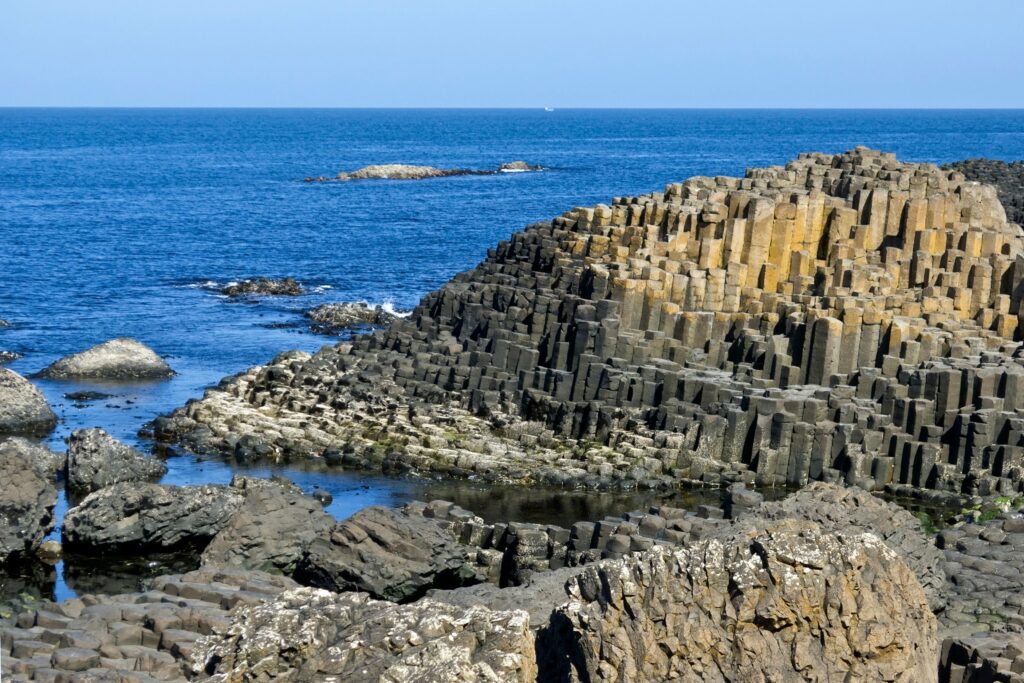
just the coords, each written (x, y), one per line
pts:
(847, 318)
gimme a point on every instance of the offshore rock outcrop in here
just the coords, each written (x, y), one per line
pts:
(263, 286)
(412, 172)
(117, 360)
(333, 318)
(842, 318)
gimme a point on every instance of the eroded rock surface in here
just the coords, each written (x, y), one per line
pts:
(121, 359)
(784, 601)
(270, 530)
(843, 318)
(27, 499)
(95, 460)
(134, 517)
(310, 634)
(48, 462)
(389, 554)
(23, 408)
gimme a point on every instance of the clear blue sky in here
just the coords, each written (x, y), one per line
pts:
(521, 53)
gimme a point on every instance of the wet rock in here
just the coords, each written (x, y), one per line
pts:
(837, 508)
(133, 517)
(401, 172)
(23, 408)
(117, 360)
(309, 634)
(333, 318)
(9, 357)
(389, 554)
(49, 463)
(86, 396)
(27, 500)
(263, 286)
(270, 530)
(783, 601)
(95, 460)
(50, 551)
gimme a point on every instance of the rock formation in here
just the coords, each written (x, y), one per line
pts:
(388, 554)
(23, 408)
(764, 603)
(8, 357)
(411, 172)
(1008, 179)
(337, 317)
(263, 286)
(95, 460)
(47, 462)
(133, 517)
(842, 318)
(116, 360)
(309, 634)
(27, 499)
(271, 530)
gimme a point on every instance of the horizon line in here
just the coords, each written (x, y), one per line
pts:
(548, 108)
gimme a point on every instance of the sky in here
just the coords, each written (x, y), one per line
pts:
(521, 53)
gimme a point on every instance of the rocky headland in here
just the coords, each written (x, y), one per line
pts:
(845, 327)
(411, 172)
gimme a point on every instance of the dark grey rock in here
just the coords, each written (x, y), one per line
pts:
(27, 500)
(133, 517)
(23, 408)
(263, 286)
(388, 554)
(95, 460)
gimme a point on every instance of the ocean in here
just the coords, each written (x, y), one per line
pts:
(125, 222)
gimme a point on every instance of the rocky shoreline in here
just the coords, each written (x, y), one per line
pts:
(845, 327)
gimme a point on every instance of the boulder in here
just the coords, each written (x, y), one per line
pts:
(117, 360)
(23, 408)
(399, 172)
(48, 463)
(95, 460)
(270, 530)
(27, 500)
(763, 602)
(263, 286)
(851, 509)
(333, 318)
(389, 554)
(132, 517)
(9, 357)
(309, 634)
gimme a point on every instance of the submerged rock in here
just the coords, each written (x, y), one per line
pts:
(133, 517)
(765, 602)
(95, 460)
(270, 530)
(308, 634)
(335, 317)
(389, 554)
(263, 286)
(120, 359)
(27, 499)
(23, 408)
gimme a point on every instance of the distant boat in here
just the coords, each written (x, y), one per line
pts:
(549, 108)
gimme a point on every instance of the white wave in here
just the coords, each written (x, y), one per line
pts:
(389, 308)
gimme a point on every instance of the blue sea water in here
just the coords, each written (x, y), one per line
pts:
(122, 223)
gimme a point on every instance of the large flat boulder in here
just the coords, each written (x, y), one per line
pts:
(312, 635)
(23, 408)
(96, 459)
(27, 500)
(777, 601)
(270, 530)
(134, 517)
(389, 554)
(48, 462)
(120, 359)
